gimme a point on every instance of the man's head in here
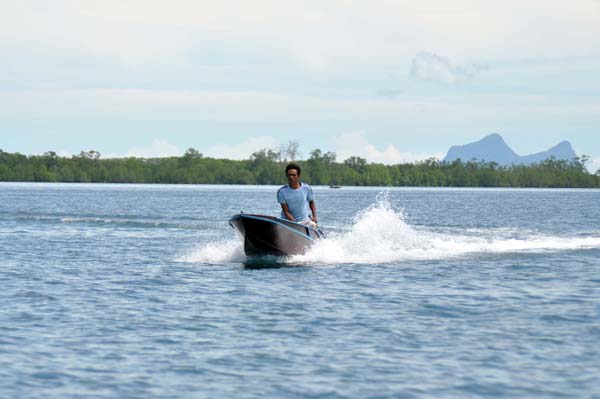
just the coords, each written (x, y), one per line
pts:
(292, 172)
(293, 166)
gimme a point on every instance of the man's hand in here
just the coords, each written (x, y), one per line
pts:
(286, 212)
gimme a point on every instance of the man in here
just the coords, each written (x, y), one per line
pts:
(295, 198)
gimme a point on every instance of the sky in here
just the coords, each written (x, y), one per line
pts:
(391, 81)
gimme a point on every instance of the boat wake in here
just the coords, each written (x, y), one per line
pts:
(380, 234)
(230, 251)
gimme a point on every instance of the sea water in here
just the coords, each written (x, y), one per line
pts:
(143, 291)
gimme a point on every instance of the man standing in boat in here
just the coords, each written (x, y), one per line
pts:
(296, 198)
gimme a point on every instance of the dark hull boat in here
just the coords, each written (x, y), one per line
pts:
(268, 235)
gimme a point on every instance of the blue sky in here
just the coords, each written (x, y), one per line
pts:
(387, 80)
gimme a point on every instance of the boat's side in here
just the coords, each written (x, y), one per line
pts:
(267, 235)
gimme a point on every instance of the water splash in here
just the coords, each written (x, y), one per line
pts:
(215, 252)
(380, 234)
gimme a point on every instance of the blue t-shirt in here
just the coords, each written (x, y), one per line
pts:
(297, 200)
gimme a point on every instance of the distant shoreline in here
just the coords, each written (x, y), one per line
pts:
(265, 168)
(314, 186)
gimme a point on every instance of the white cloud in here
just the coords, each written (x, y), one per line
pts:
(432, 67)
(337, 35)
(594, 164)
(64, 153)
(159, 148)
(241, 150)
(217, 62)
(268, 107)
(356, 144)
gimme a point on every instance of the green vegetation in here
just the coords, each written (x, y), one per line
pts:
(266, 167)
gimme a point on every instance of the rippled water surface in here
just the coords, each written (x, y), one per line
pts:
(141, 291)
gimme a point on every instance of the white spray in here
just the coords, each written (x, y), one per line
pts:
(380, 234)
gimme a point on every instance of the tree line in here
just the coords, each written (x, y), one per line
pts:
(266, 167)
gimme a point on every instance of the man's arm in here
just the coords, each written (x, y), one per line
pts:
(313, 209)
(286, 212)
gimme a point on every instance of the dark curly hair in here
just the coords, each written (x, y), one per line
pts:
(293, 165)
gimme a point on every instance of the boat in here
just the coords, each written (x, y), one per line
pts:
(334, 186)
(269, 235)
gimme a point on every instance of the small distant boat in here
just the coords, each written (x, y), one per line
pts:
(268, 235)
(334, 186)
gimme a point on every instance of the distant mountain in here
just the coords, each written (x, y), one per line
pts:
(492, 148)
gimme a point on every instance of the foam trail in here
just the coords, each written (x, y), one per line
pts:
(380, 235)
(216, 252)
